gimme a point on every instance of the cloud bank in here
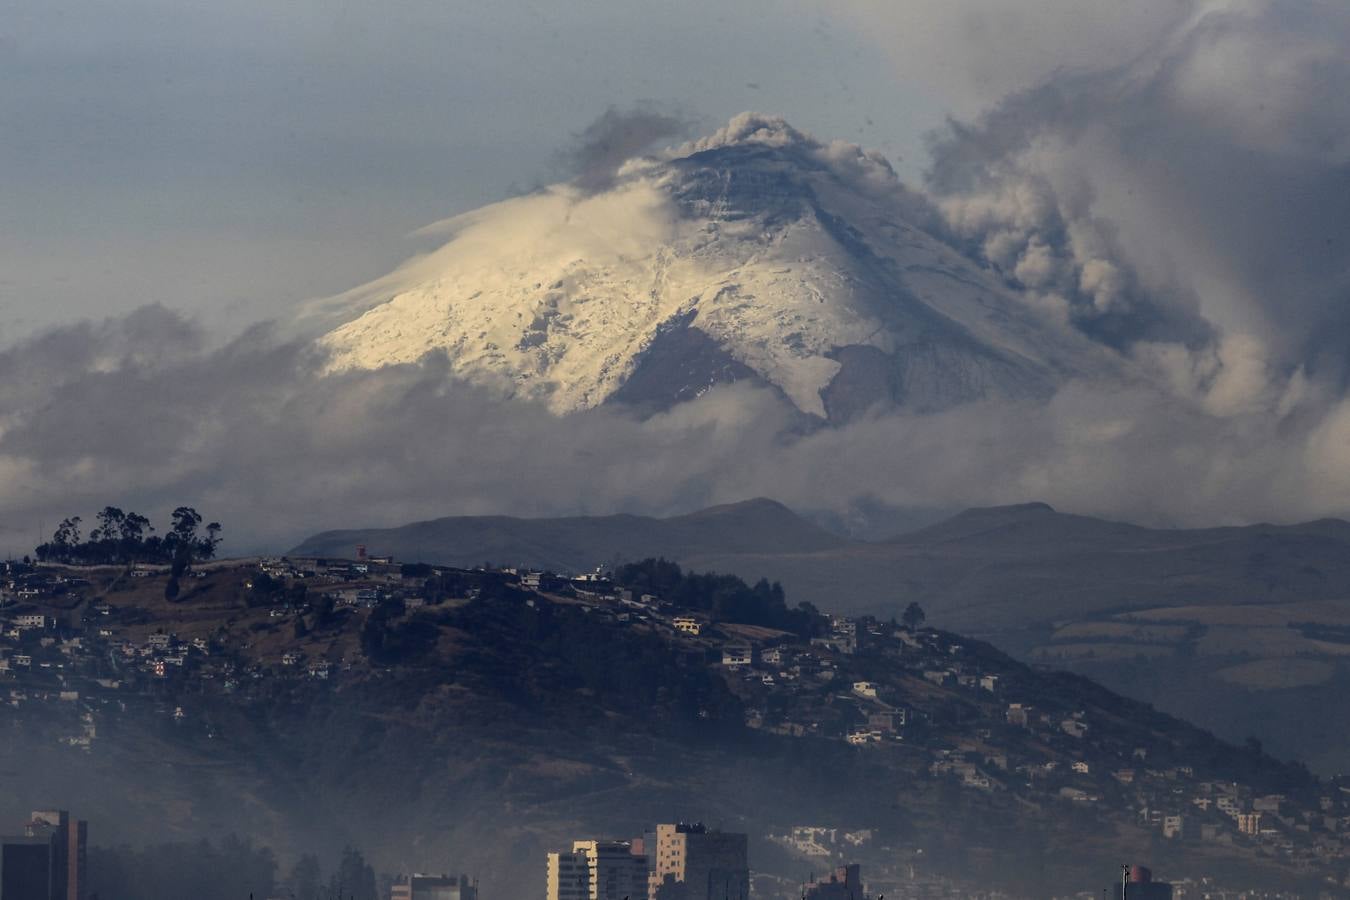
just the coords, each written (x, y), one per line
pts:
(139, 412)
(1176, 186)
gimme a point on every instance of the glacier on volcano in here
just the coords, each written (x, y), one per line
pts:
(757, 253)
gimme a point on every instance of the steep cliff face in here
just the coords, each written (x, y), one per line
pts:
(758, 253)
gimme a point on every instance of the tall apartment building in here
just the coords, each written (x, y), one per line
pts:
(1141, 886)
(689, 862)
(598, 870)
(47, 862)
(70, 840)
(26, 867)
(615, 870)
(844, 883)
(569, 876)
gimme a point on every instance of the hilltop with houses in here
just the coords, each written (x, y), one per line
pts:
(949, 723)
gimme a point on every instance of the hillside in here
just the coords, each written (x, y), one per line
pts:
(451, 719)
(580, 543)
(1242, 629)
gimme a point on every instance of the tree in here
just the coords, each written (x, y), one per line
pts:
(109, 524)
(354, 878)
(913, 616)
(725, 598)
(206, 547)
(68, 533)
(171, 589)
(204, 871)
(124, 537)
(185, 522)
(182, 557)
(324, 611)
(296, 595)
(135, 527)
(374, 635)
(306, 878)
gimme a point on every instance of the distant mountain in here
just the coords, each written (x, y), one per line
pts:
(757, 254)
(1003, 568)
(579, 544)
(990, 570)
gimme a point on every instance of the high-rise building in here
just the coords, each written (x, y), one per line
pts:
(27, 867)
(1139, 885)
(70, 840)
(844, 883)
(433, 887)
(569, 876)
(598, 870)
(48, 862)
(689, 862)
(615, 870)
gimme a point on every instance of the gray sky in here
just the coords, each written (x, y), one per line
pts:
(232, 158)
(1172, 176)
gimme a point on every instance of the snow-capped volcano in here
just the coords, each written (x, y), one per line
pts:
(756, 253)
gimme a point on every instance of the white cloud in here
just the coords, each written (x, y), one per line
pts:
(254, 435)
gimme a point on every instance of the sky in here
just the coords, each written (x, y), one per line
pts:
(231, 159)
(1171, 177)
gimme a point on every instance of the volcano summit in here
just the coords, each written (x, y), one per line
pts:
(758, 253)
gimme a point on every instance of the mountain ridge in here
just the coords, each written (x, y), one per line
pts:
(1221, 610)
(579, 543)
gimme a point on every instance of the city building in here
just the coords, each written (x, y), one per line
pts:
(433, 887)
(27, 868)
(689, 862)
(48, 861)
(1018, 714)
(1139, 885)
(615, 869)
(738, 655)
(688, 624)
(569, 876)
(844, 883)
(72, 839)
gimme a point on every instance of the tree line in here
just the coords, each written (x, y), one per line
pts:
(725, 598)
(231, 870)
(123, 537)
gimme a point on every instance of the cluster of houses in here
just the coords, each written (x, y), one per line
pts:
(823, 841)
(810, 689)
(63, 643)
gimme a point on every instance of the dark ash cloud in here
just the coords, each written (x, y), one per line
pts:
(1199, 191)
(615, 137)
